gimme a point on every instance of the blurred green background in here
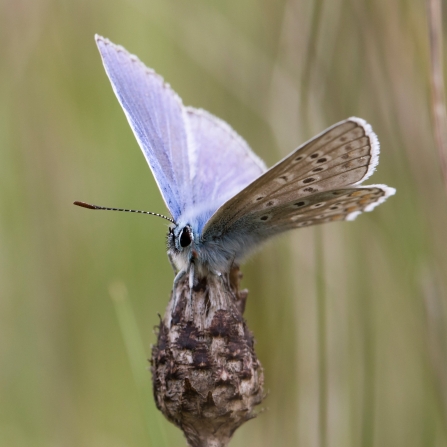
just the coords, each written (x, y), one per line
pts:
(364, 365)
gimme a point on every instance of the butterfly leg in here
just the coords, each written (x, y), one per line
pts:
(191, 280)
(191, 275)
(177, 279)
(171, 260)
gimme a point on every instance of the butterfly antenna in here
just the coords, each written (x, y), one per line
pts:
(97, 207)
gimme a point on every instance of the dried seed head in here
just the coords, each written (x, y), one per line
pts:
(207, 378)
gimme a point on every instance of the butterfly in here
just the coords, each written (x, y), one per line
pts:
(223, 200)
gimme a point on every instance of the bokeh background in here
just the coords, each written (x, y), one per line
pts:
(350, 318)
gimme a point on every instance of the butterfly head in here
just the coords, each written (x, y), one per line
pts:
(180, 238)
(181, 246)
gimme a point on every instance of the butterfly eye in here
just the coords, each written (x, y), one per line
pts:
(185, 237)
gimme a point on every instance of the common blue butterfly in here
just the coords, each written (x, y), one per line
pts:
(223, 200)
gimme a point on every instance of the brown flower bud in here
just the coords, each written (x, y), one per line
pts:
(207, 378)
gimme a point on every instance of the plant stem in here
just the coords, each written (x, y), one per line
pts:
(138, 363)
(322, 348)
(434, 12)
